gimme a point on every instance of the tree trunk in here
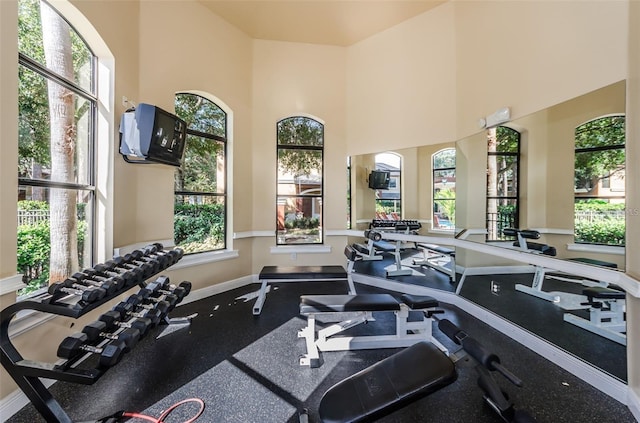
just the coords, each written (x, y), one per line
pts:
(63, 213)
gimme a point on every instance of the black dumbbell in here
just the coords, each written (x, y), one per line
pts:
(87, 294)
(159, 262)
(113, 319)
(148, 295)
(157, 250)
(131, 259)
(98, 329)
(121, 262)
(131, 276)
(129, 310)
(139, 302)
(89, 277)
(162, 286)
(101, 272)
(76, 344)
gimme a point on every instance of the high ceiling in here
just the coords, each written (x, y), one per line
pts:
(331, 22)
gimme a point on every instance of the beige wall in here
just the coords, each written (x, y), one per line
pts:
(292, 79)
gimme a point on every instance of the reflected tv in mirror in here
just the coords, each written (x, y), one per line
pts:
(379, 179)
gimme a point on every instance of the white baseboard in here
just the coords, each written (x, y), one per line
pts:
(16, 400)
(218, 288)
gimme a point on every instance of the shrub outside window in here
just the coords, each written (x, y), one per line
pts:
(300, 150)
(200, 209)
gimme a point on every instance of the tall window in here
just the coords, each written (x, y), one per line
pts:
(599, 185)
(444, 189)
(200, 183)
(389, 201)
(57, 117)
(299, 193)
(503, 163)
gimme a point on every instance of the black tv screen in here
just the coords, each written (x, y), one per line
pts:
(153, 134)
(379, 179)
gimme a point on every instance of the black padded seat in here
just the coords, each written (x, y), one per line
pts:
(545, 249)
(595, 262)
(388, 385)
(439, 249)
(302, 272)
(384, 246)
(340, 303)
(603, 293)
(419, 302)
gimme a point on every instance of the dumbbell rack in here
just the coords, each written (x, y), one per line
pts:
(27, 373)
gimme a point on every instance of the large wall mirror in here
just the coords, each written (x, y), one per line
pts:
(560, 172)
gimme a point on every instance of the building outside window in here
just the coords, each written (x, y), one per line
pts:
(300, 150)
(599, 181)
(444, 189)
(503, 164)
(389, 201)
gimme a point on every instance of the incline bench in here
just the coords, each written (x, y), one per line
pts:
(297, 274)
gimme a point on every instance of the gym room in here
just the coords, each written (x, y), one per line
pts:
(468, 317)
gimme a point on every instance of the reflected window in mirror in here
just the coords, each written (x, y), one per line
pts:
(444, 189)
(599, 185)
(300, 149)
(503, 164)
(389, 199)
(349, 192)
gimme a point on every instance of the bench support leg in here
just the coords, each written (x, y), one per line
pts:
(536, 287)
(609, 324)
(262, 296)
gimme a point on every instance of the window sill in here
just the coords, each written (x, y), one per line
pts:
(592, 248)
(11, 284)
(198, 259)
(300, 249)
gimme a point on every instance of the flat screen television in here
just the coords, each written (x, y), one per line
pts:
(151, 134)
(379, 179)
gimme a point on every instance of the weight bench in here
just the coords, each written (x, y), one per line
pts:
(413, 373)
(606, 313)
(432, 254)
(533, 247)
(360, 310)
(297, 274)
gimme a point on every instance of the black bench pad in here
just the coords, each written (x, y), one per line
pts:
(388, 385)
(595, 262)
(438, 249)
(387, 247)
(302, 272)
(419, 302)
(604, 293)
(340, 303)
(545, 249)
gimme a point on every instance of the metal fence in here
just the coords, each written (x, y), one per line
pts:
(595, 215)
(32, 217)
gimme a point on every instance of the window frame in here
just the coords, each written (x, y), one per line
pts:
(313, 197)
(225, 142)
(92, 98)
(434, 198)
(515, 198)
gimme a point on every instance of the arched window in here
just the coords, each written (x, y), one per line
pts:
(300, 149)
(57, 106)
(599, 186)
(503, 164)
(444, 189)
(389, 201)
(200, 182)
